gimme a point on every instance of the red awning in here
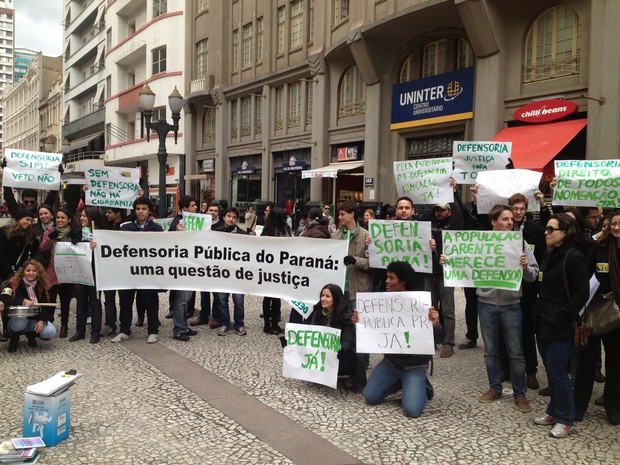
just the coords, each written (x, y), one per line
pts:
(535, 145)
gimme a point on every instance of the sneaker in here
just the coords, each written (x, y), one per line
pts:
(468, 344)
(522, 405)
(190, 332)
(241, 331)
(560, 431)
(490, 396)
(121, 337)
(447, 351)
(181, 337)
(545, 420)
(223, 331)
(152, 339)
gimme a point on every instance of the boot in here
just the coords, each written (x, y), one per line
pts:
(32, 340)
(13, 341)
(63, 331)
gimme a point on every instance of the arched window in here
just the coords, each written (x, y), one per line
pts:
(208, 126)
(552, 46)
(437, 57)
(351, 94)
(406, 72)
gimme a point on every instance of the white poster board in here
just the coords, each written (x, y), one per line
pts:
(396, 240)
(31, 170)
(196, 221)
(587, 183)
(471, 157)
(496, 187)
(73, 263)
(112, 186)
(424, 181)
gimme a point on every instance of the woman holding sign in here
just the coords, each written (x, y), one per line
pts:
(403, 371)
(564, 289)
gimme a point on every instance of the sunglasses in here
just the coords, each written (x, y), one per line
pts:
(29, 202)
(550, 229)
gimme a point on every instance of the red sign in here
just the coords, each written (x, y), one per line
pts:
(346, 153)
(545, 111)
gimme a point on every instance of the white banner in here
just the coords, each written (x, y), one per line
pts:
(496, 187)
(406, 241)
(424, 181)
(285, 267)
(112, 186)
(311, 354)
(483, 259)
(73, 263)
(471, 157)
(303, 308)
(196, 221)
(31, 170)
(394, 323)
(587, 183)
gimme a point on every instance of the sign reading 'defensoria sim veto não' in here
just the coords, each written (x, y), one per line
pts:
(435, 99)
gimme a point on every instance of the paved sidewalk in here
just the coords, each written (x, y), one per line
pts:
(223, 400)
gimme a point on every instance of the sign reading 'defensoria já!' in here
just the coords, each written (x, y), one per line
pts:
(112, 186)
(587, 183)
(483, 259)
(435, 99)
(31, 170)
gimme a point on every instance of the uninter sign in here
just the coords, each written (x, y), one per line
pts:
(545, 111)
(436, 99)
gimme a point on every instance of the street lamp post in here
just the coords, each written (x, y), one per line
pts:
(162, 128)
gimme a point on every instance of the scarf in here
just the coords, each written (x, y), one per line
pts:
(614, 269)
(30, 289)
(63, 232)
(327, 314)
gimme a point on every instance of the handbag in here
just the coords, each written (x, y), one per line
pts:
(603, 314)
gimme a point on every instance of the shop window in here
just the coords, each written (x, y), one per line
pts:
(208, 126)
(351, 94)
(202, 53)
(552, 45)
(432, 146)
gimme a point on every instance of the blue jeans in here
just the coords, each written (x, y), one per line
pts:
(497, 320)
(384, 380)
(223, 313)
(555, 356)
(22, 325)
(179, 311)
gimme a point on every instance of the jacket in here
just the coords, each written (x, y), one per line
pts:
(15, 297)
(149, 226)
(598, 264)
(507, 296)
(359, 275)
(453, 222)
(47, 245)
(14, 252)
(557, 309)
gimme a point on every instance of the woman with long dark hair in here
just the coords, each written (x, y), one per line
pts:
(275, 226)
(65, 230)
(564, 290)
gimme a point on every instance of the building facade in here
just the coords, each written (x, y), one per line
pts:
(23, 57)
(7, 43)
(23, 128)
(281, 87)
(144, 45)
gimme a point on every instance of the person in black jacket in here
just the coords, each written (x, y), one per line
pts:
(564, 290)
(404, 371)
(604, 261)
(28, 287)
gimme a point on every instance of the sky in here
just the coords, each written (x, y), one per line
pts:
(37, 25)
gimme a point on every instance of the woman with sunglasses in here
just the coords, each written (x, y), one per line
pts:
(564, 288)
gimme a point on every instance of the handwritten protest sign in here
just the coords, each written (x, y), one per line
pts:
(483, 259)
(424, 181)
(285, 267)
(394, 323)
(72, 263)
(472, 157)
(34, 170)
(311, 354)
(112, 186)
(496, 187)
(196, 221)
(164, 223)
(303, 308)
(406, 241)
(587, 183)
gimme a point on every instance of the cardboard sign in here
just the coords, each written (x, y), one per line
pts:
(394, 323)
(406, 241)
(31, 170)
(311, 354)
(424, 181)
(196, 221)
(73, 263)
(471, 157)
(496, 187)
(587, 183)
(112, 186)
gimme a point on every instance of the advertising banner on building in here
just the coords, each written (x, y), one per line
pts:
(432, 100)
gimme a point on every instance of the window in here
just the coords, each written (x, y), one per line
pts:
(311, 22)
(341, 10)
(434, 58)
(108, 86)
(203, 5)
(258, 106)
(352, 94)
(294, 105)
(159, 113)
(233, 119)
(279, 107)
(552, 46)
(159, 60)
(297, 23)
(246, 116)
(406, 72)
(235, 50)
(260, 28)
(247, 45)
(464, 54)
(108, 40)
(281, 24)
(159, 7)
(208, 126)
(309, 97)
(202, 53)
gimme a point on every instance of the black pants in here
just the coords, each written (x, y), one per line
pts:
(271, 311)
(471, 313)
(66, 292)
(87, 296)
(149, 299)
